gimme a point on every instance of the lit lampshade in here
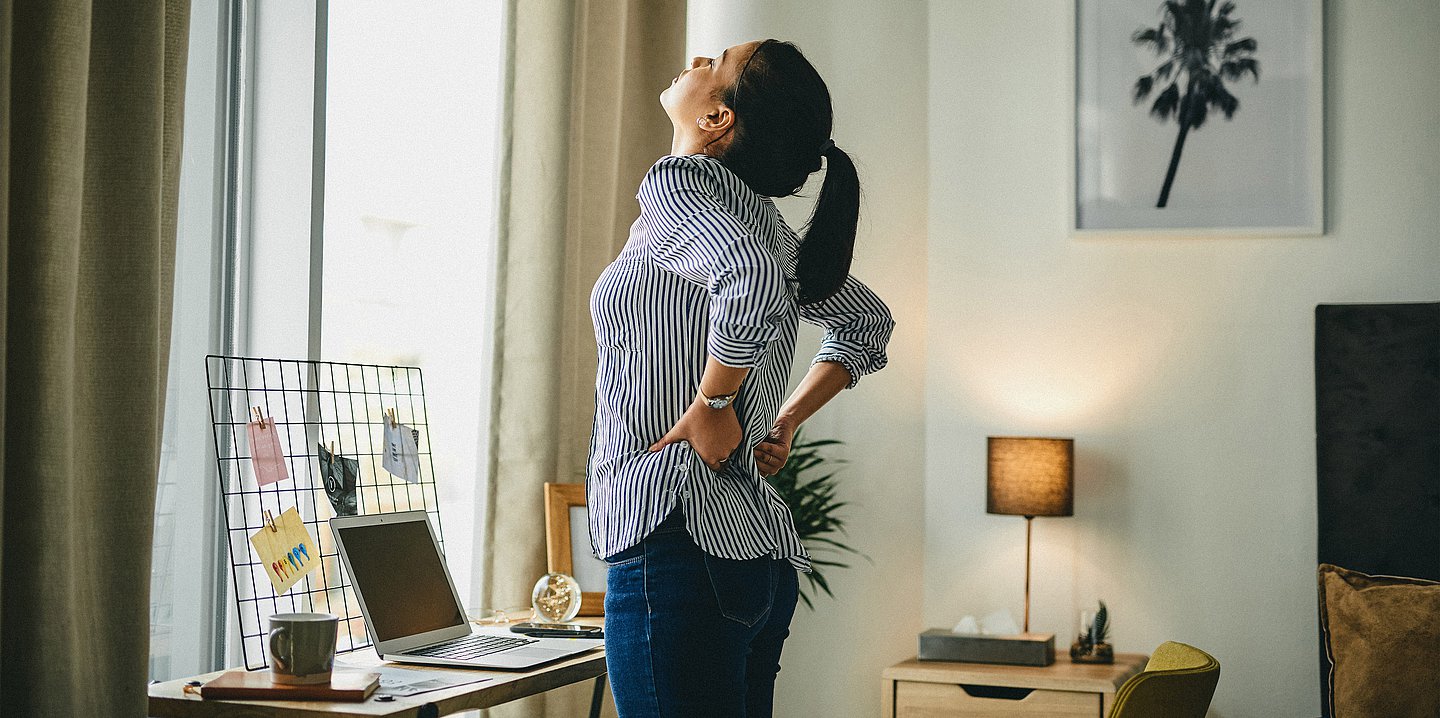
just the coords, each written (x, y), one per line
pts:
(1030, 477)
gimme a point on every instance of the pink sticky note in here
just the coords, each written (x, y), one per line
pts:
(265, 454)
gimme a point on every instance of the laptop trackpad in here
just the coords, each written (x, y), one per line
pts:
(538, 654)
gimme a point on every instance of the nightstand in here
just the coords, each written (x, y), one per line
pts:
(941, 689)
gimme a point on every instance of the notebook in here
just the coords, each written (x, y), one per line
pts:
(256, 685)
(412, 612)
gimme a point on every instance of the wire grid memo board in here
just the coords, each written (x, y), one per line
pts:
(312, 403)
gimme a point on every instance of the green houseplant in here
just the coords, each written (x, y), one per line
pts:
(807, 484)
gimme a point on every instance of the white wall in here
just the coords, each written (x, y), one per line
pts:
(872, 56)
(1183, 368)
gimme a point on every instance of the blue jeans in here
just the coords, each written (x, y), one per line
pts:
(690, 635)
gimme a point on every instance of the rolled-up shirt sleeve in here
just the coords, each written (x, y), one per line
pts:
(857, 329)
(699, 240)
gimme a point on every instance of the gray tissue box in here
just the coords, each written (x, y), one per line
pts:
(1026, 649)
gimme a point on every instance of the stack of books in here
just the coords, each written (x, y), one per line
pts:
(256, 685)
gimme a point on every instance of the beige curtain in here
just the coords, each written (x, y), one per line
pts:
(582, 124)
(90, 113)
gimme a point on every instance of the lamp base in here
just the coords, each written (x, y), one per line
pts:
(1025, 649)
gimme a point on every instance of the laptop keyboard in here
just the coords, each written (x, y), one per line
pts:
(470, 647)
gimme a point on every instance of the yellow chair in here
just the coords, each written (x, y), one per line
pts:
(1178, 682)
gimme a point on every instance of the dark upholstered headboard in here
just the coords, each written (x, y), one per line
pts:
(1377, 426)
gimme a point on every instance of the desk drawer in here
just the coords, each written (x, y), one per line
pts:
(915, 699)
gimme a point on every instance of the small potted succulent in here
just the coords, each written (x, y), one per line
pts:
(1091, 646)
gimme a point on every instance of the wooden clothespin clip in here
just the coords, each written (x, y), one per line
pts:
(270, 521)
(259, 416)
(332, 448)
(390, 414)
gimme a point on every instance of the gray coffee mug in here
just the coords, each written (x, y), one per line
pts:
(302, 647)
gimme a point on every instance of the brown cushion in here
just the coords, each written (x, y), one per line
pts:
(1382, 636)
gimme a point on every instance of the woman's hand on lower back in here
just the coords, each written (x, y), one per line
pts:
(713, 433)
(774, 450)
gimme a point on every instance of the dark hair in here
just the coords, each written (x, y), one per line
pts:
(782, 129)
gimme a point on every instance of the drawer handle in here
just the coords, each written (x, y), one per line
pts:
(1003, 693)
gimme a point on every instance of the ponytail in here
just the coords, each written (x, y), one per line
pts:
(782, 117)
(829, 241)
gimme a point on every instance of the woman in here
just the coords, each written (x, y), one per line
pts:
(696, 322)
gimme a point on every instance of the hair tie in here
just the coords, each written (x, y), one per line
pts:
(826, 147)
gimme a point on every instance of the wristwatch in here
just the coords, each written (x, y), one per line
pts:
(718, 402)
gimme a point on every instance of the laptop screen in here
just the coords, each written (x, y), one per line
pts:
(398, 570)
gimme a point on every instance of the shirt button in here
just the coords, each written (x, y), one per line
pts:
(685, 493)
(682, 469)
(684, 444)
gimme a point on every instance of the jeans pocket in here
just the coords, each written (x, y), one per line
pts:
(626, 557)
(742, 587)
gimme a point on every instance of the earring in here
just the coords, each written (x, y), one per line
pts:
(700, 121)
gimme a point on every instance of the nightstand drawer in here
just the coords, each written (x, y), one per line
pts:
(916, 699)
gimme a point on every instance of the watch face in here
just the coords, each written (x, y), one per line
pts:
(718, 402)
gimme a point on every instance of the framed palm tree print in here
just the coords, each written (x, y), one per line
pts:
(1199, 117)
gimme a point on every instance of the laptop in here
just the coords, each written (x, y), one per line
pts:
(411, 609)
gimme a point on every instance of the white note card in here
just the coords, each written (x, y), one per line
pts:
(402, 451)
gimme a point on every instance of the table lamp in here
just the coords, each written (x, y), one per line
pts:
(1030, 477)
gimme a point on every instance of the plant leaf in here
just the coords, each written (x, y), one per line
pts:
(1142, 87)
(808, 484)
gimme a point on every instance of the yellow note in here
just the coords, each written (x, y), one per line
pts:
(288, 552)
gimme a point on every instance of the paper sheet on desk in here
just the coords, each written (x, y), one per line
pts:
(408, 682)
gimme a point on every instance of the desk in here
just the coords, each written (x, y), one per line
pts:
(168, 700)
(937, 689)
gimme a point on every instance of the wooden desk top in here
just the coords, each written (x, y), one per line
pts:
(168, 699)
(1062, 675)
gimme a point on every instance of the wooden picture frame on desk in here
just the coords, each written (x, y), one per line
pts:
(567, 551)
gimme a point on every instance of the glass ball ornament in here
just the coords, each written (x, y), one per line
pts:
(556, 597)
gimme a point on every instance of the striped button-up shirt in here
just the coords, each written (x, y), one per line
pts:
(708, 271)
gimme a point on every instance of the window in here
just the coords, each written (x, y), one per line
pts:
(399, 272)
(410, 157)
